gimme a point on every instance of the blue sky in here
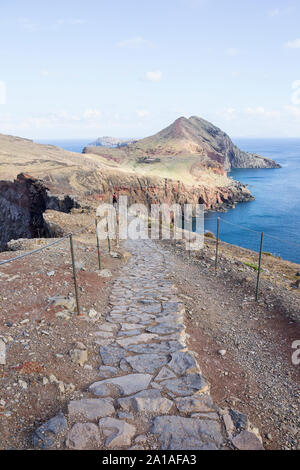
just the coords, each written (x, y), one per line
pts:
(127, 68)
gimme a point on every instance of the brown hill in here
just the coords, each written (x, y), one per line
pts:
(193, 137)
(56, 179)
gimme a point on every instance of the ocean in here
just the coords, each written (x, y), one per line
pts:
(276, 209)
(73, 145)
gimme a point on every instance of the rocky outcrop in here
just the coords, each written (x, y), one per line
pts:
(22, 204)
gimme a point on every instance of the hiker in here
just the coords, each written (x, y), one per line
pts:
(115, 200)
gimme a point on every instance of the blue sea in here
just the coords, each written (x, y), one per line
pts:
(73, 145)
(276, 209)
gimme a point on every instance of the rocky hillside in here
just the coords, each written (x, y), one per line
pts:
(37, 177)
(209, 145)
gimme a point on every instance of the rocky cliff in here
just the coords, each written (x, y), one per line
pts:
(59, 178)
(152, 190)
(22, 204)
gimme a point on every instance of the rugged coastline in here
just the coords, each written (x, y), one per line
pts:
(186, 162)
(24, 200)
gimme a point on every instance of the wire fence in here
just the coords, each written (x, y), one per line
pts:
(23, 304)
(30, 290)
(258, 255)
(258, 266)
(286, 242)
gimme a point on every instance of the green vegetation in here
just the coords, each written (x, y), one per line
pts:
(251, 265)
(267, 253)
(209, 235)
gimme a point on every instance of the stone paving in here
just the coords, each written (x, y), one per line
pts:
(150, 393)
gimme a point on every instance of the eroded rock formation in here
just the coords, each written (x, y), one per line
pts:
(22, 204)
(151, 190)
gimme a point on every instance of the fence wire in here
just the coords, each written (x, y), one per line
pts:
(39, 269)
(265, 234)
(260, 264)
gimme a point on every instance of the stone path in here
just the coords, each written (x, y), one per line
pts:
(150, 393)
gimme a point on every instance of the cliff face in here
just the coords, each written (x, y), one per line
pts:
(59, 178)
(151, 190)
(22, 204)
(24, 201)
(221, 144)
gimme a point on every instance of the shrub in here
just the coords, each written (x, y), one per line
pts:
(209, 235)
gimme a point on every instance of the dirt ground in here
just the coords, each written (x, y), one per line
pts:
(38, 342)
(255, 375)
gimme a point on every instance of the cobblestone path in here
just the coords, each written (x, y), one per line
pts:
(150, 393)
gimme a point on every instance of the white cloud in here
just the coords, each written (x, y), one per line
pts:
(293, 110)
(91, 114)
(232, 51)
(134, 42)
(142, 113)
(30, 26)
(51, 120)
(75, 21)
(259, 114)
(193, 3)
(274, 12)
(257, 110)
(27, 25)
(44, 72)
(154, 76)
(92, 117)
(70, 21)
(229, 113)
(59, 119)
(294, 44)
(261, 111)
(295, 98)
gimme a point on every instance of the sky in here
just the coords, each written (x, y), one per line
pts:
(74, 69)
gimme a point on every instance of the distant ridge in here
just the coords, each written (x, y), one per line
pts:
(110, 142)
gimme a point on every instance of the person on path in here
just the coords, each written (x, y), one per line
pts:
(115, 200)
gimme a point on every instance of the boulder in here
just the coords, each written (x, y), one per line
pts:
(50, 433)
